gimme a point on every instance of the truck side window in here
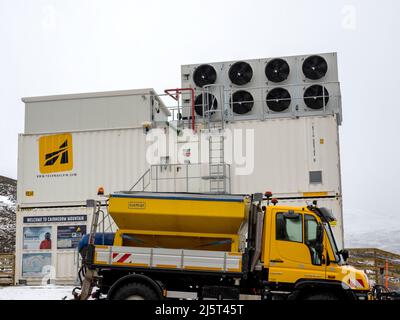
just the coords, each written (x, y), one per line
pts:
(310, 230)
(289, 229)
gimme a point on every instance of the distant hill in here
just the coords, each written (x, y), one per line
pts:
(369, 229)
(8, 199)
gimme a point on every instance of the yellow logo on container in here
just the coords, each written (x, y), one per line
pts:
(55, 153)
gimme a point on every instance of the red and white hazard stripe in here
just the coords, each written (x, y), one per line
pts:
(122, 257)
(357, 283)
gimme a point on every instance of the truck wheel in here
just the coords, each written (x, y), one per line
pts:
(321, 296)
(135, 291)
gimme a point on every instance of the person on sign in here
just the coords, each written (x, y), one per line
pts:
(46, 243)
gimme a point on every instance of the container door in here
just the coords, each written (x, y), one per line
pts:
(294, 251)
(67, 266)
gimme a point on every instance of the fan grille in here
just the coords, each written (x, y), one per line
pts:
(315, 96)
(211, 103)
(242, 102)
(315, 67)
(240, 73)
(204, 74)
(277, 70)
(278, 99)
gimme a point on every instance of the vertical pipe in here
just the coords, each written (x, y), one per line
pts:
(193, 111)
(187, 177)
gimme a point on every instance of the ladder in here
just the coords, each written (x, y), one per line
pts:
(217, 174)
(213, 126)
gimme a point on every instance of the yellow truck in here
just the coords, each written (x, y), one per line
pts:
(205, 246)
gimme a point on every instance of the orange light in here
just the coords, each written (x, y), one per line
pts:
(100, 191)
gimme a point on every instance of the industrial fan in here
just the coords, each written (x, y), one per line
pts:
(240, 73)
(277, 70)
(316, 97)
(210, 103)
(242, 102)
(315, 67)
(278, 99)
(204, 74)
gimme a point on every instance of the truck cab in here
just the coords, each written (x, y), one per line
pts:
(301, 256)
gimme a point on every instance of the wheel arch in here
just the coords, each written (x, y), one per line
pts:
(136, 278)
(305, 286)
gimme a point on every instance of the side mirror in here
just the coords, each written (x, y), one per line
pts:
(320, 238)
(345, 254)
(319, 247)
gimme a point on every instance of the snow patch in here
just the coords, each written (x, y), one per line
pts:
(50, 292)
(6, 201)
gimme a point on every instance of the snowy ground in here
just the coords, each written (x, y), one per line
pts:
(50, 292)
(6, 201)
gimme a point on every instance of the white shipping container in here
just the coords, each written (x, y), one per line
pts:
(113, 159)
(290, 157)
(93, 111)
(36, 264)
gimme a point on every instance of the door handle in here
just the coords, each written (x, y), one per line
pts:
(276, 261)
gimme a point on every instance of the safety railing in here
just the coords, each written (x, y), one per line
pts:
(268, 102)
(187, 178)
(142, 183)
(382, 267)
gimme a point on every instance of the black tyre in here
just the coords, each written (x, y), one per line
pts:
(135, 291)
(321, 296)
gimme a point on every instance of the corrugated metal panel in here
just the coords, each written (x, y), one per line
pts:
(93, 111)
(285, 152)
(334, 204)
(63, 265)
(114, 159)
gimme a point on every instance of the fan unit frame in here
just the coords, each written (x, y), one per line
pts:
(330, 76)
(255, 79)
(187, 73)
(291, 78)
(255, 113)
(268, 112)
(333, 106)
(259, 86)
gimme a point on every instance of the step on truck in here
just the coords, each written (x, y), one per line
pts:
(204, 246)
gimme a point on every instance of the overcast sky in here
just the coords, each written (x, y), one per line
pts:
(54, 47)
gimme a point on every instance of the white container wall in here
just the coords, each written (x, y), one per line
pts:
(113, 159)
(334, 204)
(93, 111)
(288, 156)
(39, 260)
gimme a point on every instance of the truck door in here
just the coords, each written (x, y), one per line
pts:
(294, 251)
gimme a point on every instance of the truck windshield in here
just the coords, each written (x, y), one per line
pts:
(338, 258)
